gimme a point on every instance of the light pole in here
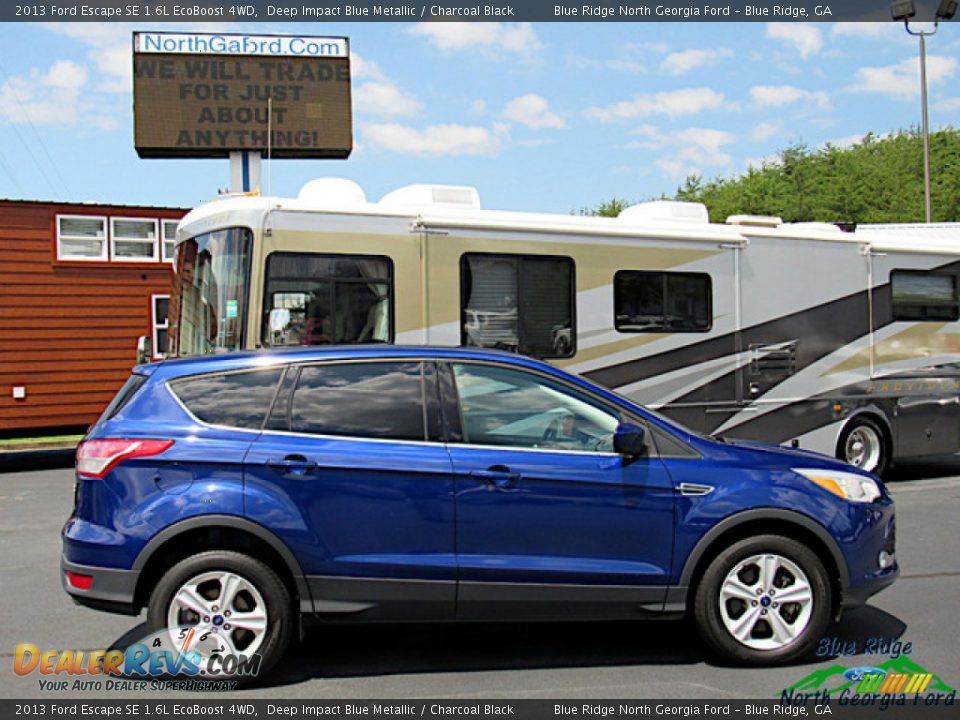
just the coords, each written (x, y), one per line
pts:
(904, 10)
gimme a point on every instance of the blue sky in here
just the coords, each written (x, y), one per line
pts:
(545, 117)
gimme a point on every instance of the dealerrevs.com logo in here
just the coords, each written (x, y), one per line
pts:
(178, 658)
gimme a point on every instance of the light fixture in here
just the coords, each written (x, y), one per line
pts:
(904, 9)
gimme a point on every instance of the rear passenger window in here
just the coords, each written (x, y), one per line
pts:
(235, 399)
(373, 400)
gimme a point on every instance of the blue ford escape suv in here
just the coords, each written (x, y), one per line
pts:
(242, 494)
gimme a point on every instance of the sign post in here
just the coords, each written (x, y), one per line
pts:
(244, 171)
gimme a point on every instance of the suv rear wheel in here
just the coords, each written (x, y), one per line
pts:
(764, 600)
(235, 604)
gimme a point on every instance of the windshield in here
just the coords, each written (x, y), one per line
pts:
(209, 308)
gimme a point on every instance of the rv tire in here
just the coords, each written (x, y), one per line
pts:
(863, 444)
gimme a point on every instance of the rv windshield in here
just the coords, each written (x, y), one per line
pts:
(209, 308)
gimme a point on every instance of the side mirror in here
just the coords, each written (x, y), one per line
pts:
(629, 440)
(144, 349)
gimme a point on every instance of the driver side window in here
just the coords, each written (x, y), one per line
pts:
(510, 408)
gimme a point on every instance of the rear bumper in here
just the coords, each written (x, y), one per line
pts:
(112, 590)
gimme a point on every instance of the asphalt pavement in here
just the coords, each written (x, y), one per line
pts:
(530, 660)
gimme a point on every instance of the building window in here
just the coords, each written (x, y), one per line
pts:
(662, 302)
(919, 295)
(159, 308)
(133, 239)
(169, 239)
(81, 237)
(521, 303)
(313, 299)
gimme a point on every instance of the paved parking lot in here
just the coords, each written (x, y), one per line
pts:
(535, 660)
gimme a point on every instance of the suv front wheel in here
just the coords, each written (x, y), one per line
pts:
(235, 604)
(764, 600)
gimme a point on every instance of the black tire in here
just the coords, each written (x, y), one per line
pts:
(279, 607)
(707, 611)
(872, 426)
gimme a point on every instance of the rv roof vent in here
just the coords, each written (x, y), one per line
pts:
(755, 220)
(426, 195)
(332, 193)
(669, 210)
(817, 226)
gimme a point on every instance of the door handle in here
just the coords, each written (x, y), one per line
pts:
(497, 476)
(292, 465)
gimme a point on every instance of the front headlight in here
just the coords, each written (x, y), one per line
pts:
(849, 486)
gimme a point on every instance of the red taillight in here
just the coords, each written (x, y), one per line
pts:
(95, 458)
(80, 582)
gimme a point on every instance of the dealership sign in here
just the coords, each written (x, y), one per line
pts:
(205, 95)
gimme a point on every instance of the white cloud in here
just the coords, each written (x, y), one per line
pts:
(583, 62)
(363, 69)
(448, 37)
(678, 63)
(846, 141)
(873, 30)
(376, 94)
(690, 149)
(948, 105)
(779, 95)
(673, 103)
(765, 131)
(760, 162)
(902, 80)
(804, 37)
(55, 97)
(533, 111)
(448, 139)
(674, 168)
(384, 99)
(66, 75)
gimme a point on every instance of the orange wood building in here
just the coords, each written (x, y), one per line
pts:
(79, 284)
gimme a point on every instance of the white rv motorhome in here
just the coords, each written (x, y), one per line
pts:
(841, 342)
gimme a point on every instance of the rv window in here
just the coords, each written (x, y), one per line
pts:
(520, 303)
(662, 302)
(313, 299)
(919, 295)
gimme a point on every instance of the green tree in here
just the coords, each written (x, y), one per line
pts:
(878, 179)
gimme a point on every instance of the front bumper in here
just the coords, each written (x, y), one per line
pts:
(877, 539)
(112, 590)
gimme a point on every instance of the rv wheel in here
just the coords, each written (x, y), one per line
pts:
(863, 445)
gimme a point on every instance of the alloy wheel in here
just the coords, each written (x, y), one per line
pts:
(766, 602)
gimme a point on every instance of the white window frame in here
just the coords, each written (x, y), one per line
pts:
(113, 239)
(163, 247)
(103, 257)
(155, 326)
